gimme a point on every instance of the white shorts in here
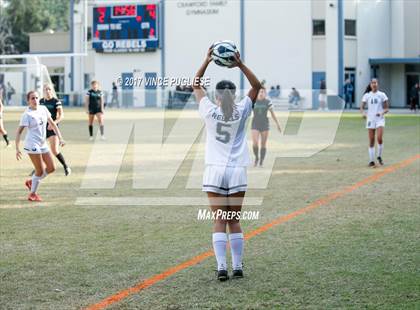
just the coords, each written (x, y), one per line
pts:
(224, 180)
(36, 149)
(322, 97)
(373, 123)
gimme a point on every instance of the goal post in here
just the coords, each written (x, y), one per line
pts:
(20, 74)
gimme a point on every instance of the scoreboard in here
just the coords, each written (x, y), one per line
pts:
(125, 28)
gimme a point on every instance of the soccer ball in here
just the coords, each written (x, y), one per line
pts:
(223, 53)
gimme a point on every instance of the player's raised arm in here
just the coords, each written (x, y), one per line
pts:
(198, 89)
(252, 79)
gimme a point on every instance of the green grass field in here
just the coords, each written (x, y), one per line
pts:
(360, 250)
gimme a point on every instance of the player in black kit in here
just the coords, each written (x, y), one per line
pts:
(94, 104)
(56, 109)
(260, 125)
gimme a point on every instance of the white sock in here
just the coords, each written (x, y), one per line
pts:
(219, 247)
(237, 248)
(380, 149)
(372, 153)
(36, 180)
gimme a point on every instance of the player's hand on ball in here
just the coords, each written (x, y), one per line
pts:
(237, 62)
(18, 155)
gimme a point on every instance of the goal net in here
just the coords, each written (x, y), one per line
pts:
(18, 75)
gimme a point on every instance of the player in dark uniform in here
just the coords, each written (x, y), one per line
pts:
(260, 125)
(56, 109)
(94, 104)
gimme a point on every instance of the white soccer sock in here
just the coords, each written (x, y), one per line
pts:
(237, 248)
(219, 247)
(380, 149)
(36, 180)
(372, 153)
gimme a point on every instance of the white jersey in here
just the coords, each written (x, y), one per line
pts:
(226, 143)
(375, 102)
(36, 121)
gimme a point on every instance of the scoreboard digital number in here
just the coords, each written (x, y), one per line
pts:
(125, 28)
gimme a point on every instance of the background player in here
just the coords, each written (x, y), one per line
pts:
(261, 126)
(3, 131)
(94, 104)
(35, 119)
(378, 106)
(225, 175)
(55, 107)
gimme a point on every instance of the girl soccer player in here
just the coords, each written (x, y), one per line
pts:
(35, 119)
(260, 125)
(3, 131)
(94, 104)
(378, 106)
(225, 176)
(55, 108)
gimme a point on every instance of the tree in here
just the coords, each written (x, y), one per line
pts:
(21, 17)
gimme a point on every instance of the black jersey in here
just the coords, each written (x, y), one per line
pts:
(52, 105)
(260, 111)
(94, 99)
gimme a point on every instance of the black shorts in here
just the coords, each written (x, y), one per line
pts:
(50, 133)
(93, 110)
(260, 126)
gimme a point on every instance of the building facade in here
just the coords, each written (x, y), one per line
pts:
(288, 43)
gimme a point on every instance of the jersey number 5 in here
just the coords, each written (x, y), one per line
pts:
(223, 135)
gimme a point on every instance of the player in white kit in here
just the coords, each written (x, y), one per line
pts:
(35, 118)
(226, 159)
(378, 106)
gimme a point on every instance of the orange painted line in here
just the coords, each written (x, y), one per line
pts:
(282, 219)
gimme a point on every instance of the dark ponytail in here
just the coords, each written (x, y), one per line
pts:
(368, 89)
(225, 91)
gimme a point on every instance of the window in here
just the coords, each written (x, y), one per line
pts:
(87, 79)
(350, 27)
(318, 27)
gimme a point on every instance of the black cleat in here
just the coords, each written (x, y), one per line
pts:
(372, 164)
(222, 275)
(380, 161)
(237, 274)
